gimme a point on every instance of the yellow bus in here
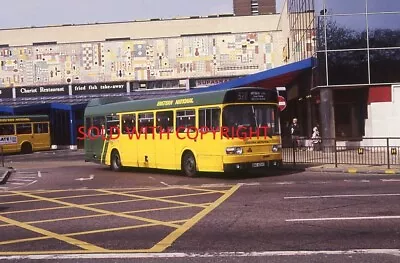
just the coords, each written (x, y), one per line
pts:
(216, 131)
(24, 134)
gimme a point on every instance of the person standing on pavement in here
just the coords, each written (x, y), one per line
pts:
(295, 133)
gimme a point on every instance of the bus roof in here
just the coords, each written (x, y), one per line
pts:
(23, 118)
(103, 106)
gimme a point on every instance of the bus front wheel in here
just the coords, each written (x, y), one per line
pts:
(115, 161)
(189, 164)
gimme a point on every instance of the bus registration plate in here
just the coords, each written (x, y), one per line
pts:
(258, 164)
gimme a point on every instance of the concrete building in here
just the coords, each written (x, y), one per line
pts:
(254, 7)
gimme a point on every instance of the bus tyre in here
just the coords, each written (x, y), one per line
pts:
(26, 148)
(115, 161)
(189, 164)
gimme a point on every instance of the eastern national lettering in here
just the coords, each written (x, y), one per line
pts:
(177, 102)
(165, 103)
(184, 101)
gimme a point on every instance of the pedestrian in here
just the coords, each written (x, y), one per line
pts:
(295, 133)
(316, 139)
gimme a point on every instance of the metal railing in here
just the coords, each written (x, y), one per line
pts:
(354, 151)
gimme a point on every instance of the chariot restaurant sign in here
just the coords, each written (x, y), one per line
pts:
(6, 93)
(97, 88)
(43, 91)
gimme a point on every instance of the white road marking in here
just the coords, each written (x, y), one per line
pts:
(249, 184)
(25, 177)
(16, 183)
(39, 174)
(24, 185)
(357, 181)
(164, 183)
(213, 185)
(152, 178)
(390, 180)
(22, 172)
(21, 180)
(342, 218)
(337, 196)
(91, 177)
(392, 252)
(285, 183)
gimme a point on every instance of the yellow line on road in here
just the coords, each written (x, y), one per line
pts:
(34, 210)
(15, 241)
(167, 241)
(102, 215)
(120, 228)
(152, 198)
(88, 195)
(55, 252)
(203, 190)
(49, 234)
(101, 211)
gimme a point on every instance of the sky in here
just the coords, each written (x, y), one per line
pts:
(26, 13)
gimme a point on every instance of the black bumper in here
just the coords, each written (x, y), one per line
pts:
(252, 165)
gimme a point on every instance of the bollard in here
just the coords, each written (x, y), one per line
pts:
(387, 152)
(2, 156)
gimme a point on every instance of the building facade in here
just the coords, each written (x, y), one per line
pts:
(254, 7)
(354, 86)
(221, 48)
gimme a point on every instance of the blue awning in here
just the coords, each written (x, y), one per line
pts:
(276, 77)
(43, 106)
(7, 109)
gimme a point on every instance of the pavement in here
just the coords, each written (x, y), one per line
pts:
(342, 168)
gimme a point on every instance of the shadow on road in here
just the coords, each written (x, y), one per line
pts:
(258, 173)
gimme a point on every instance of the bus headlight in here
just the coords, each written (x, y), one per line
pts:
(234, 150)
(276, 148)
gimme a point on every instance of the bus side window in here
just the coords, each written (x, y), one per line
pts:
(24, 128)
(88, 125)
(40, 128)
(209, 119)
(112, 121)
(128, 124)
(165, 121)
(146, 123)
(185, 121)
(98, 122)
(7, 129)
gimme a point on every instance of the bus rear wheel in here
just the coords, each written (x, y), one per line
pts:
(26, 148)
(115, 161)
(189, 164)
